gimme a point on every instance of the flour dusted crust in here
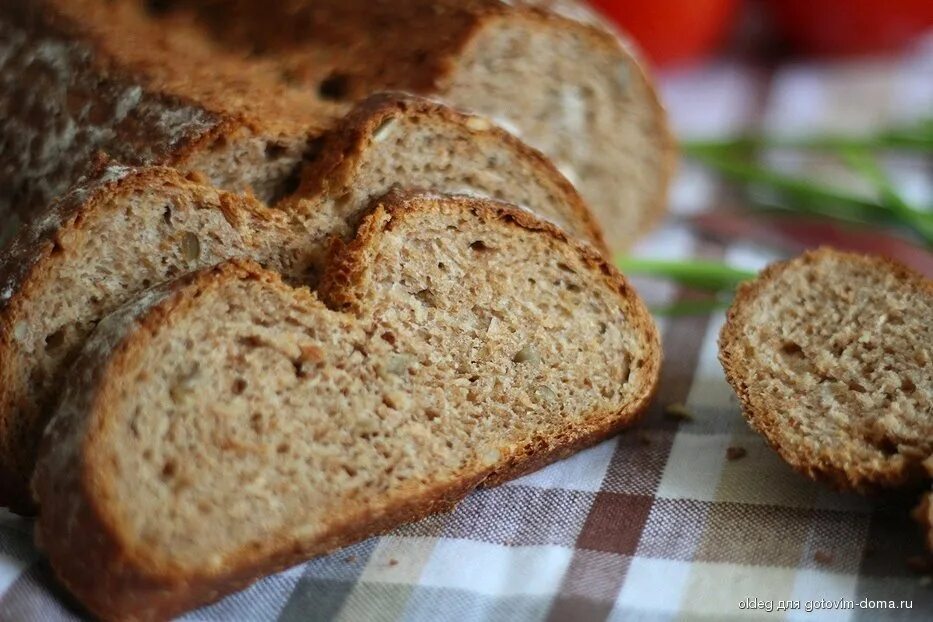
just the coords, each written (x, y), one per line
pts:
(239, 90)
(77, 530)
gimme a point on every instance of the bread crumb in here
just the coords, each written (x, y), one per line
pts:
(823, 557)
(349, 560)
(678, 411)
(643, 438)
(736, 453)
(393, 562)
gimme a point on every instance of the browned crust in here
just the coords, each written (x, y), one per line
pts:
(85, 547)
(332, 173)
(24, 266)
(340, 283)
(25, 263)
(601, 37)
(178, 65)
(828, 468)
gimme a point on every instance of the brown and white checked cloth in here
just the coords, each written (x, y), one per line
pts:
(657, 524)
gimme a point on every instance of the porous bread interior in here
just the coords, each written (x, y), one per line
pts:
(446, 157)
(264, 429)
(565, 90)
(591, 114)
(132, 242)
(135, 241)
(837, 357)
(269, 169)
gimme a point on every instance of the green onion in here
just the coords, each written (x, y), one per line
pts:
(691, 307)
(706, 275)
(914, 137)
(864, 163)
(812, 197)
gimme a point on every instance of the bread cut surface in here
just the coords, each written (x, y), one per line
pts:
(552, 71)
(241, 90)
(831, 355)
(229, 425)
(131, 228)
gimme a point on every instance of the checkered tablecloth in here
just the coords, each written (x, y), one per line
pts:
(663, 522)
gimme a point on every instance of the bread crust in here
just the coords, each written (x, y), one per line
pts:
(836, 470)
(428, 59)
(154, 90)
(331, 174)
(87, 551)
(25, 264)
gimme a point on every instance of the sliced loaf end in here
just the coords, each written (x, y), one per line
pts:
(569, 86)
(232, 425)
(830, 355)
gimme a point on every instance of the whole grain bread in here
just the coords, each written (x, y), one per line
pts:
(831, 355)
(128, 229)
(228, 425)
(240, 89)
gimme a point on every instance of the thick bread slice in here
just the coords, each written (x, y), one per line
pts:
(240, 91)
(831, 355)
(133, 228)
(551, 70)
(228, 425)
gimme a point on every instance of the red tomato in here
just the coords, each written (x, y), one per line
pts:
(841, 27)
(673, 31)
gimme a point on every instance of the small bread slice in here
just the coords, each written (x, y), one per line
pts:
(228, 425)
(831, 355)
(132, 228)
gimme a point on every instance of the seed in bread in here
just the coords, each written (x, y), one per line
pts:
(831, 355)
(241, 89)
(229, 425)
(128, 229)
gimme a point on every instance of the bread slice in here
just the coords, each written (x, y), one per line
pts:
(132, 228)
(240, 90)
(831, 355)
(229, 425)
(553, 71)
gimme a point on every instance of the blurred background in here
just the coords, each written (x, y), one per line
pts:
(802, 122)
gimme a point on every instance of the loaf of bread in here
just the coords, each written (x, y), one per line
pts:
(228, 425)
(240, 89)
(831, 355)
(129, 229)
